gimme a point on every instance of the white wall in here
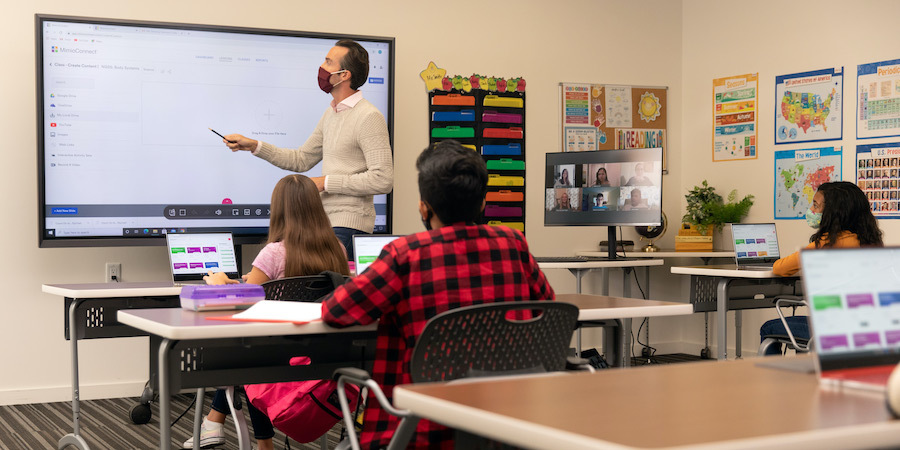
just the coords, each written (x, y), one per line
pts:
(725, 38)
(545, 42)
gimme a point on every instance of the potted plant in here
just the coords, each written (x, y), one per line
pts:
(708, 211)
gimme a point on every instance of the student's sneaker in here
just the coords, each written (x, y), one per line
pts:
(211, 434)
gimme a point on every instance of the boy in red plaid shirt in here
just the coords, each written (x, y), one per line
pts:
(455, 263)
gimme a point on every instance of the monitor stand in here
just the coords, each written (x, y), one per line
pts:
(611, 249)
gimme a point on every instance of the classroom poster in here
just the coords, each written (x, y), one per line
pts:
(798, 174)
(808, 106)
(734, 117)
(877, 167)
(878, 101)
(606, 117)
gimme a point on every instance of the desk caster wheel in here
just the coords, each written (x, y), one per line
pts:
(140, 414)
(704, 354)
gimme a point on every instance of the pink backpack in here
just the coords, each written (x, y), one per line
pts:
(303, 410)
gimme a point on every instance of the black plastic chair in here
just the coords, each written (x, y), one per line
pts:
(310, 288)
(475, 341)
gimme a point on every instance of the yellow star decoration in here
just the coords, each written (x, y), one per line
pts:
(649, 107)
(433, 76)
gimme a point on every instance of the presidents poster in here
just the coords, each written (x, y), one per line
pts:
(878, 99)
(798, 174)
(877, 167)
(734, 117)
(808, 106)
(606, 117)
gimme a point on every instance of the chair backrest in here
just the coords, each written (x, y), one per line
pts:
(480, 340)
(308, 288)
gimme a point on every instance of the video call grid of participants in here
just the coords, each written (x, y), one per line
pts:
(879, 178)
(602, 187)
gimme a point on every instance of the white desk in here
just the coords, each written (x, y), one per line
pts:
(705, 256)
(703, 405)
(90, 314)
(727, 278)
(195, 352)
(579, 268)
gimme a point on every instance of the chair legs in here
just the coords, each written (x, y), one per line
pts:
(764, 346)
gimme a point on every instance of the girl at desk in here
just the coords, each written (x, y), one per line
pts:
(301, 242)
(841, 215)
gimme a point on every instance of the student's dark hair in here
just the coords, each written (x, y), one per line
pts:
(846, 209)
(356, 61)
(452, 181)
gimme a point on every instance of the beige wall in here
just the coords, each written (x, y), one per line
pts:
(774, 38)
(545, 42)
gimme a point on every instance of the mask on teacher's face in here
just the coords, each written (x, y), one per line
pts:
(813, 219)
(325, 80)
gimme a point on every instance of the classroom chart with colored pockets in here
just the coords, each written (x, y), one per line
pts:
(878, 101)
(799, 173)
(878, 175)
(735, 101)
(808, 106)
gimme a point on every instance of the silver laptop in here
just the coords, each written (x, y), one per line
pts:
(854, 297)
(193, 255)
(367, 247)
(755, 245)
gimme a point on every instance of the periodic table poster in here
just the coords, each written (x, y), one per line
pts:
(878, 99)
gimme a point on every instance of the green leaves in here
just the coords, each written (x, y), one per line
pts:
(706, 208)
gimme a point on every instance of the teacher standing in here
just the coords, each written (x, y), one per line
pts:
(351, 140)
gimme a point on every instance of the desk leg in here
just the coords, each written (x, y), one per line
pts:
(737, 333)
(165, 438)
(605, 274)
(722, 317)
(74, 438)
(578, 274)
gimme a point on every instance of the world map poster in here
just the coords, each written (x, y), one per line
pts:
(808, 106)
(798, 174)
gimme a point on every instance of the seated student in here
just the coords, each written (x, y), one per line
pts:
(841, 217)
(563, 180)
(562, 201)
(455, 263)
(639, 179)
(599, 202)
(301, 242)
(636, 201)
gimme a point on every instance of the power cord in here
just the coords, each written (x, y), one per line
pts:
(188, 408)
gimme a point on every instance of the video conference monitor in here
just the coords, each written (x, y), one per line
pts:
(606, 188)
(125, 154)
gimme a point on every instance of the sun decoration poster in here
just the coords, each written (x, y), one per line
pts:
(798, 174)
(734, 117)
(877, 167)
(606, 117)
(808, 106)
(878, 102)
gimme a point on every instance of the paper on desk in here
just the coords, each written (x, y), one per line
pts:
(277, 311)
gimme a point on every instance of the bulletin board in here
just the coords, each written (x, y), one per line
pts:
(607, 116)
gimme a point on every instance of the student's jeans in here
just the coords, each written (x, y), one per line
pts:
(345, 235)
(262, 426)
(799, 326)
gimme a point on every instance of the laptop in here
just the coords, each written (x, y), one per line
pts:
(367, 247)
(854, 297)
(193, 255)
(755, 245)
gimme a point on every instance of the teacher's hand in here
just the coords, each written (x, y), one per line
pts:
(239, 142)
(320, 183)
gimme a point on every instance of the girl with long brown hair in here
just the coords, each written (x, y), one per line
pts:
(301, 242)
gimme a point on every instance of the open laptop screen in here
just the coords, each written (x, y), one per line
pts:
(854, 297)
(754, 243)
(367, 247)
(193, 255)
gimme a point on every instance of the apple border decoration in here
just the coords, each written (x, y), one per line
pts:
(436, 79)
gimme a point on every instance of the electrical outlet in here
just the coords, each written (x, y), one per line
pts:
(113, 272)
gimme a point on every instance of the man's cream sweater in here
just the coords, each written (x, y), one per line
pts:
(355, 151)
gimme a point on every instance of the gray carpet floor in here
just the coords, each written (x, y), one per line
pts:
(105, 424)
